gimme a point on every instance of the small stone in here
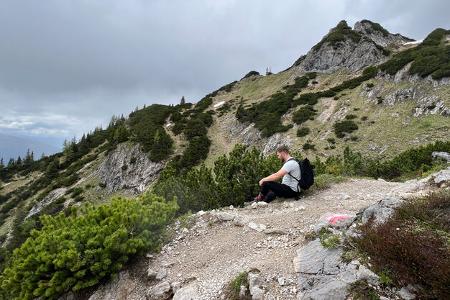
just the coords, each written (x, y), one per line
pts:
(167, 264)
(239, 221)
(242, 291)
(186, 293)
(262, 204)
(255, 284)
(366, 274)
(162, 273)
(442, 177)
(281, 281)
(257, 227)
(161, 291)
(406, 293)
(442, 155)
(224, 216)
(175, 286)
(253, 225)
(151, 273)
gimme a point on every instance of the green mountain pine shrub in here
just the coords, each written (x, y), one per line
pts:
(431, 57)
(77, 251)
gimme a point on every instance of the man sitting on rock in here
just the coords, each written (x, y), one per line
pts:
(290, 172)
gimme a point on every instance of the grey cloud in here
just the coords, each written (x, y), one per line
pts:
(87, 60)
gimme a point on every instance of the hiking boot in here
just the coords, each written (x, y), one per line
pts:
(258, 198)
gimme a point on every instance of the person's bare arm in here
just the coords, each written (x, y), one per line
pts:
(274, 176)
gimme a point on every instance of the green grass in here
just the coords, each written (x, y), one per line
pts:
(328, 239)
(361, 290)
(233, 288)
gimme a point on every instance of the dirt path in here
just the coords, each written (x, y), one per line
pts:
(211, 253)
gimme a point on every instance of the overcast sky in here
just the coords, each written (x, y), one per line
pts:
(68, 66)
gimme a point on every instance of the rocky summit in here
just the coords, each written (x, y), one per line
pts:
(366, 44)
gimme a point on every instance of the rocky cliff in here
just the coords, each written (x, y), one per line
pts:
(343, 47)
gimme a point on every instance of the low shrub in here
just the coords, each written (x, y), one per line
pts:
(304, 114)
(331, 141)
(413, 245)
(343, 127)
(303, 131)
(431, 57)
(267, 114)
(309, 146)
(146, 127)
(77, 251)
(232, 181)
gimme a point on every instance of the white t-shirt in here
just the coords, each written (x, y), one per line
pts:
(293, 168)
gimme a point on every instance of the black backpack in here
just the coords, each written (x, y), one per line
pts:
(306, 174)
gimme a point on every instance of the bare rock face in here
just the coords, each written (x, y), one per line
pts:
(354, 49)
(127, 167)
(381, 211)
(274, 141)
(425, 104)
(431, 105)
(379, 35)
(323, 275)
(343, 47)
(350, 55)
(401, 95)
(50, 198)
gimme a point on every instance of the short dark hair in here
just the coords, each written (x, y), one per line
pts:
(282, 148)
